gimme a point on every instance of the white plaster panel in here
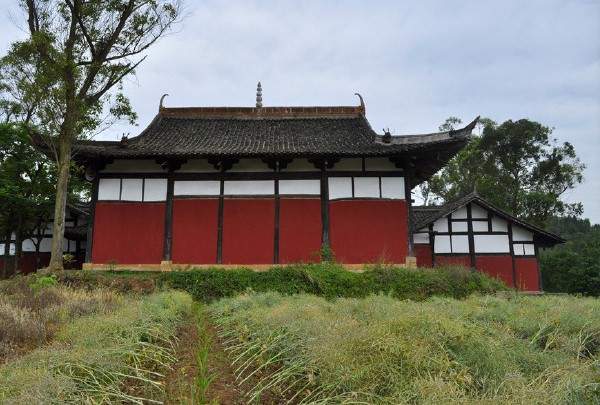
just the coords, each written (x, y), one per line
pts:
(249, 187)
(108, 189)
(480, 226)
(354, 164)
(392, 187)
(197, 166)
(133, 166)
(461, 226)
(197, 187)
(300, 165)
(132, 190)
(520, 234)
(442, 244)
(340, 187)
(366, 187)
(491, 244)
(11, 250)
(421, 238)
(460, 213)
(529, 249)
(28, 246)
(155, 190)
(299, 187)
(379, 164)
(518, 249)
(499, 225)
(441, 225)
(250, 165)
(46, 245)
(460, 244)
(478, 212)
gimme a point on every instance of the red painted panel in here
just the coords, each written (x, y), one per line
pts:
(299, 230)
(368, 231)
(498, 266)
(453, 260)
(527, 273)
(423, 254)
(128, 233)
(248, 231)
(195, 231)
(27, 262)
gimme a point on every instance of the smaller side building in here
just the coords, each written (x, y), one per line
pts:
(472, 232)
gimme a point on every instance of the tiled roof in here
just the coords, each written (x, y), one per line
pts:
(425, 215)
(266, 131)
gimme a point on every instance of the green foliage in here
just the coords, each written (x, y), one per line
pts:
(515, 165)
(40, 282)
(326, 254)
(114, 357)
(575, 266)
(331, 281)
(522, 349)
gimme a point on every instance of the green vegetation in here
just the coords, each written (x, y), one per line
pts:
(520, 349)
(119, 352)
(575, 266)
(332, 281)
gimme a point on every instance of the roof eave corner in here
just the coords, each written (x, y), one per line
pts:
(464, 132)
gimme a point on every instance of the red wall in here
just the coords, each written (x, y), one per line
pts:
(27, 262)
(527, 273)
(128, 233)
(368, 231)
(299, 230)
(248, 231)
(454, 260)
(195, 231)
(498, 266)
(423, 254)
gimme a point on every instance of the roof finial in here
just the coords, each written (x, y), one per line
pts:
(258, 95)
(160, 106)
(362, 103)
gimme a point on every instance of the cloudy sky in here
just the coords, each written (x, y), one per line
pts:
(415, 63)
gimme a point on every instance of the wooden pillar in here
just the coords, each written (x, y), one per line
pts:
(408, 196)
(512, 254)
(276, 231)
(168, 238)
(537, 259)
(325, 206)
(220, 223)
(432, 243)
(89, 243)
(471, 237)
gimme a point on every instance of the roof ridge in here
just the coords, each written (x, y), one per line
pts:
(262, 112)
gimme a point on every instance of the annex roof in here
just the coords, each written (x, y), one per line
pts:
(422, 216)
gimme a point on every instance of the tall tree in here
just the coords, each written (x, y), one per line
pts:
(516, 165)
(66, 77)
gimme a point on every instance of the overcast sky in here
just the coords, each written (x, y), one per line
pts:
(415, 63)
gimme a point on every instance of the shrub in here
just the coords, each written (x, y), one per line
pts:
(40, 282)
(330, 280)
(483, 349)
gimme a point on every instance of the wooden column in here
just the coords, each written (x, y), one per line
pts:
(471, 237)
(89, 243)
(325, 206)
(511, 249)
(276, 231)
(168, 239)
(432, 243)
(408, 196)
(537, 259)
(220, 223)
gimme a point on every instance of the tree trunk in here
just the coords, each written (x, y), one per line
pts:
(58, 227)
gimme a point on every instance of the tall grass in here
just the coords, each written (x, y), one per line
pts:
(305, 349)
(118, 356)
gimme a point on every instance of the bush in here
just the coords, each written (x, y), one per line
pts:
(331, 281)
(518, 349)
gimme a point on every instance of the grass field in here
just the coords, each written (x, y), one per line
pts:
(381, 350)
(72, 346)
